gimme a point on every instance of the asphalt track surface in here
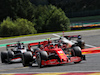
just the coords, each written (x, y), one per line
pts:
(92, 64)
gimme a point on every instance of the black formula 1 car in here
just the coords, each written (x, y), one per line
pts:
(13, 53)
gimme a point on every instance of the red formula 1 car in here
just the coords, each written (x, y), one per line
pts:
(50, 53)
(13, 53)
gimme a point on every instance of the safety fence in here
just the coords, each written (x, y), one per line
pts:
(84, 25)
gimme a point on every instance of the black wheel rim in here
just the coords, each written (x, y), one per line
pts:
(23, 61)
(39, 60)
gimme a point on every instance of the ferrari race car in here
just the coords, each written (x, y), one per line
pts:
(13, 53)
(51, 53)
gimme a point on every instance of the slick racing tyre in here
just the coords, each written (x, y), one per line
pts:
(76, 51)
(27, 59)
(4, 56)
(42, 55)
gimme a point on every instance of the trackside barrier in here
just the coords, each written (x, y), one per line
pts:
(91, 50)
(79, 27)
(57, 73)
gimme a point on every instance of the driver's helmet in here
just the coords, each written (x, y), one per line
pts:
(19, 45)
(79, 37)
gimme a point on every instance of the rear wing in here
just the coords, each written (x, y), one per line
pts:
(10, 45)
(73, 36)
(38, 44)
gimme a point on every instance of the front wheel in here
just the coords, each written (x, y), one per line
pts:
(42, 55)
(39, 60)
(4, 57)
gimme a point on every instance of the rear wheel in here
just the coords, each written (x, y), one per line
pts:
(27, 59)
(76, 51)
(4, 57)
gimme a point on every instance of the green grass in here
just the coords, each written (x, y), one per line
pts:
(88, 18)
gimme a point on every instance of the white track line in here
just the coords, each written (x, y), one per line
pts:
(85, 44)
(89, 45)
